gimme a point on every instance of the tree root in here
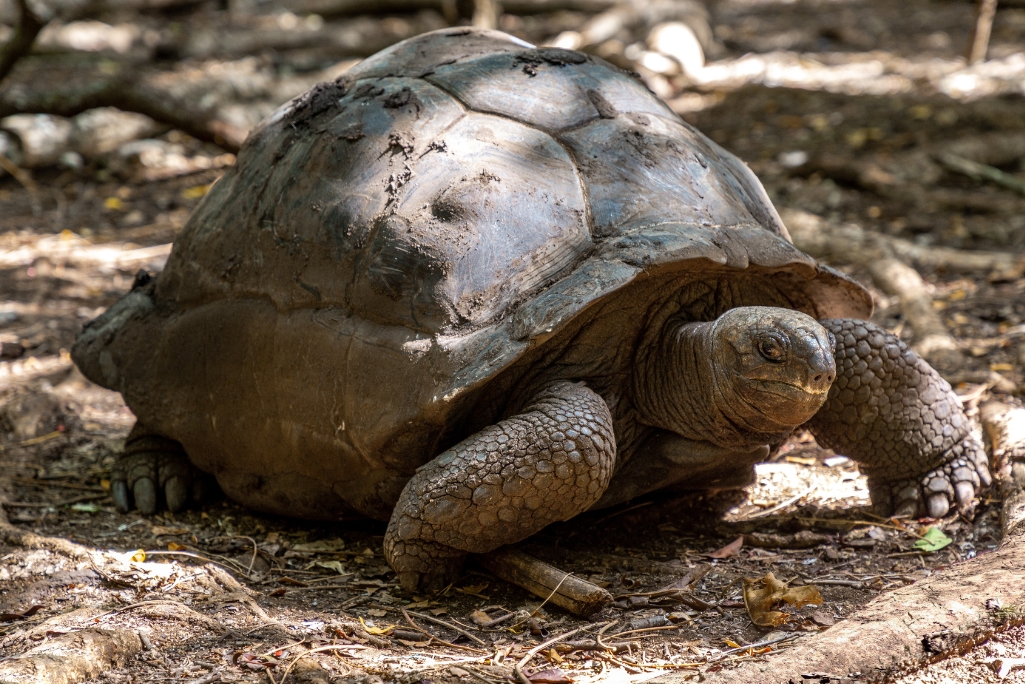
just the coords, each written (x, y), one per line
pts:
(72, 657)
(1004, 427)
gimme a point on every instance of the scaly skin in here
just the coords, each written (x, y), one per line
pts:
(891, 412)
(503, 484)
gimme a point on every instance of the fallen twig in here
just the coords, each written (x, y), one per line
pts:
(597, 637)
(979, 171)
(454, 628)
(576, 595)
(53, 483)
(423, 631)
(982, 30)
(518, 668)
(189, 554)
(783, 504)
(760, 644)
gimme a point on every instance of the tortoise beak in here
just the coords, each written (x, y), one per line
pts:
(821, 372)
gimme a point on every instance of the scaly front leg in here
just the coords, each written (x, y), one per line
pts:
(893, 414)
(502, 485)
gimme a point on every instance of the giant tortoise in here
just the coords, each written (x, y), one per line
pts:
(474, 287)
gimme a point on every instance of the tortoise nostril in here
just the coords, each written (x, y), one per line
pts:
(820, 379)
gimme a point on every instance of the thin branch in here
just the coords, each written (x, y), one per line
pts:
(129, 90)
(442, 623)
(29, 26)
(518, 669)
(981, 33)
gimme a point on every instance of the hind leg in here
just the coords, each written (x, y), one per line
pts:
(893, 414)
(155, 471)
(501, 485)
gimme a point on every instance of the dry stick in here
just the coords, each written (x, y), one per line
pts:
(29, 26)
(439, 640)
(442, 623)
(978, 171)
(249, 570)
(191, 555)
(578, 596)
(601, 631)
(644, 629)
(60, 485)
(22, 176)
(983, 28)
(518, 669)
(782, 504)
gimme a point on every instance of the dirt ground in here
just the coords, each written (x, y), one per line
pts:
(222, 594)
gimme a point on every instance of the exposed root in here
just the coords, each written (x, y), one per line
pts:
(72, 657)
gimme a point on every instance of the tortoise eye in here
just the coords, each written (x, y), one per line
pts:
(772, 349)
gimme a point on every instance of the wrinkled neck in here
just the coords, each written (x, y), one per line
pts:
(680, 384)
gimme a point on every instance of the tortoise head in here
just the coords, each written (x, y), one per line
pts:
(772, 367)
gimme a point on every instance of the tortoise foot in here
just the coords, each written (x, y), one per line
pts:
(892, 413)
(154, 472)
(952, 485)
(424, 566)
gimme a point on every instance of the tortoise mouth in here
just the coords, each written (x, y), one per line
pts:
(781, 388)
(781, 403)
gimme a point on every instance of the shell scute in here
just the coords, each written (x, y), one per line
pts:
(549, 88)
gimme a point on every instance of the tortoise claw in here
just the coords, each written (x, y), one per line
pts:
(939, 506)
(176, 493)
(119, 493)
(145, 494)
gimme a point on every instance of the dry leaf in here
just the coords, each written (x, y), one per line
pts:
(731, 549)
(762, 596)
(387, 629)
(376, 612)
(552, 676)
(175, 546)
(473, 590)
(437, 611)
(479, 617)
(139, 556)
(160, 530)
(332, 565)
(416, 605)
(413, 644)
